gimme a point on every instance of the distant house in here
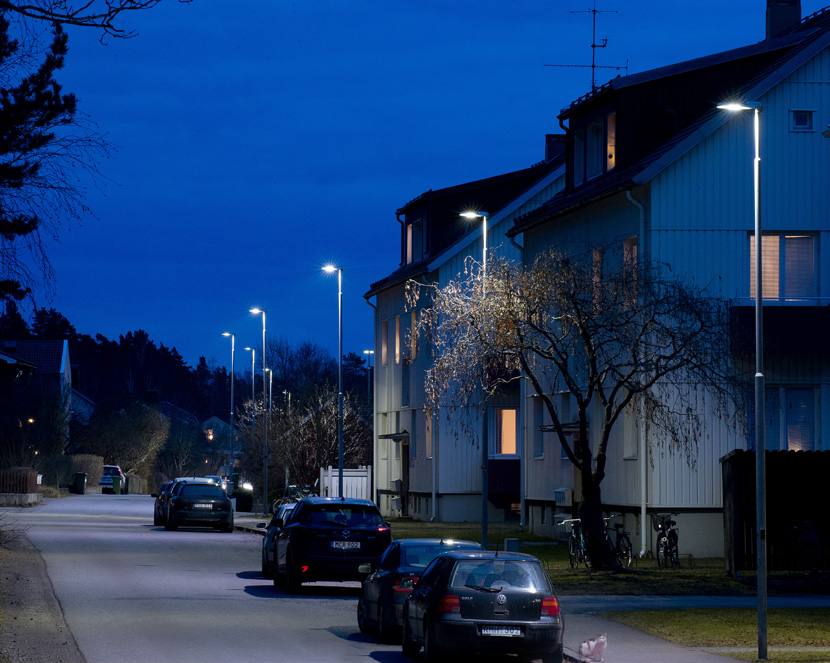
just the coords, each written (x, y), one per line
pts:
(655, 169)
(50, 360)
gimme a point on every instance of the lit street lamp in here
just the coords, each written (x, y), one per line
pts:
(259, 311)
(230, 472)
(253, 391)
(485, 429)
(760, 441)
(369, 354)
(330, 269)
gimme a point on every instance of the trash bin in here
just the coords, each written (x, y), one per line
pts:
(116, 485)
(79, 483)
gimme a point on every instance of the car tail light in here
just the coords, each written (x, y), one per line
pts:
(304, 569)
(383, 528)
(550, 606)
(405, 584)
(449, 603)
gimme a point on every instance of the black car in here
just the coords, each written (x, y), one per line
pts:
(160, 506)
(380, 606)
(282, 514)
(199, 505)
(494, 602)
(329, 538)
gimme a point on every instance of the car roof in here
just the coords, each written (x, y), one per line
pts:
(432, 542)
(337, 500)
(488, 554)
(194, 479)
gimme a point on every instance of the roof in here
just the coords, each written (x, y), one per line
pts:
(316, 501)
(45, 356)
(744, 73)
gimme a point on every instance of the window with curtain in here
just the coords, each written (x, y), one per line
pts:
(506, 420)
(788, 267)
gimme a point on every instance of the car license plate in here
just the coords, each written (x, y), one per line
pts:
(501, 631)
(202, 506)
(346, 545)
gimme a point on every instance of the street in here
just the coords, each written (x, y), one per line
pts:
(134, 592)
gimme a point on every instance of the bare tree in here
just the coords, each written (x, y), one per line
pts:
(98, 14)
(613, 337)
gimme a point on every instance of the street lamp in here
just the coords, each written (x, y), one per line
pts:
(369, 354)
(259, 311)
(485, 428)
(253, 391)
(330, 269)
(760, 433)
(233, 343)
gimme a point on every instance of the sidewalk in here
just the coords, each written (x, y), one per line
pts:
(626, 644)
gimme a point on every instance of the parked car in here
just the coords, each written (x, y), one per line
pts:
(282, 514)
(493, 602)
(329, 538)
(106, 483)
(166, 497)
(159, 515)
(199, 504)
(380, 606)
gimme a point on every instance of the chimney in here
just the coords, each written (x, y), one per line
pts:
(781, 16)
(554, 146)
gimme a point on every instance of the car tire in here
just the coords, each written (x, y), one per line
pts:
(266, 567)
(556, 657)
(410, 648)
(385, 634)
(433, 653)
(156, 519)
(361, 616)
(171, 524)
(292, 582)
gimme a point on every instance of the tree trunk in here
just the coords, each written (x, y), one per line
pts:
(593, 526)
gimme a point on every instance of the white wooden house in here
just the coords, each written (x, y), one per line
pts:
(656, 168)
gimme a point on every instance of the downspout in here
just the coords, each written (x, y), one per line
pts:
(643, 448)
(375, 496)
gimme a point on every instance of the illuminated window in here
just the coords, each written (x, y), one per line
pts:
(384, 343)
(398, 339)
(506, 419)
(611, 142)
(788, 264)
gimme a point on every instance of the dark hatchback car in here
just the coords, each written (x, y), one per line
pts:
(160, 505)
(380, 606)
(199, 505)
(493, 602)
(329, 538)
(269, 541)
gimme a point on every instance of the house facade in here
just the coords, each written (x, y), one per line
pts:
(657, 170)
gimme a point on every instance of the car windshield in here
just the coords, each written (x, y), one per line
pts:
(110, 471)
(345, 515)
(497, 574)
(202, 491)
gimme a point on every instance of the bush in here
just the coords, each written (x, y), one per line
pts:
(91, 464)
(57, 470)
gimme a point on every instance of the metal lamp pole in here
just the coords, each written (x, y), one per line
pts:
(230, 472)
(258, 311)
(485, 424)
(253, 391)
(760, 432)
(330, 269)
(369, 354)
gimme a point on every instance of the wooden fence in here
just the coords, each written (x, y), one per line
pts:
(18, 480)
(798, 516)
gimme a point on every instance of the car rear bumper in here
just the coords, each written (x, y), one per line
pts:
(322, 567)
(544, 637)
(204, 518)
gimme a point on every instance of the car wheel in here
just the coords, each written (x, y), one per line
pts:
(292, 581)
(432, 652)
(555, 657)
(410, 648)
(171, 524)
(361, 616)
(266, 567)
(385, 631)
(156, 519)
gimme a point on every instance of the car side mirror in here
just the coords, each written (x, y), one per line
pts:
(364, 568)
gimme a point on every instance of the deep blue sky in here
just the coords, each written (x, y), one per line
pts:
(257, 140)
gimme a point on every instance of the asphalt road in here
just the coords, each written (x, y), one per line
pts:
(134, 592)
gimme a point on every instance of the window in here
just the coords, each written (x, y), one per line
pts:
(595, 153)
(790, 419)
(594, 149)
(579, 158)
(506, 419)
(611, 142)
(384, 342)
(398, 339)
(801, 120)
(788, 266)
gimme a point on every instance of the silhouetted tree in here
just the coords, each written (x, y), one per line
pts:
(48, 324)
(12, 325)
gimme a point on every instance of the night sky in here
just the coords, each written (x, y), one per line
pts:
(258, 140)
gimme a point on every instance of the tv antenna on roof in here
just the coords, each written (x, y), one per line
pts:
(594, 46)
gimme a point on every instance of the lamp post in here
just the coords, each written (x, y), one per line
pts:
(369, 354)
(760, 433)
(259, 311)
(330, 269)
(485, 428)
(253, 391)
(230, 472)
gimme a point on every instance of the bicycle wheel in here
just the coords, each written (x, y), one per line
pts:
(583, 553)
(662, 550)
(674, 553)
(624, 552)
(572, 553)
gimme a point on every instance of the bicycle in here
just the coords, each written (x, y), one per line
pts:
(577, 552)
(621, 543)
(667, 551)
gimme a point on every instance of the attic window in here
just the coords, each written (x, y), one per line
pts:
(594, 149)
(801, 120)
